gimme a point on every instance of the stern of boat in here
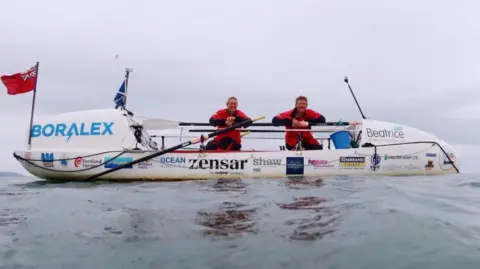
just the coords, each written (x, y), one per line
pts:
(381, 134)
(449, 160)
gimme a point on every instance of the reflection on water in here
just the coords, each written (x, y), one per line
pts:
(134, 225)
(231, 219)
(226, 185)
(323, 222)
(234, 218)
(324, 217)
(301, 183)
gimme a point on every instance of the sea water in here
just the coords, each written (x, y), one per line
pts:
(330, 222)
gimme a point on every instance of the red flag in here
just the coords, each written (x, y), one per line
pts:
(21, 82)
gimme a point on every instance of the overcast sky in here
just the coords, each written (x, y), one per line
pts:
(411, 62)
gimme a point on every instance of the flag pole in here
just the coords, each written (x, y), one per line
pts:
(33, 109)
(127, 74)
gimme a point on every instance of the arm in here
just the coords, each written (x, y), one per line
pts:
(217, 120)
(314, 117)
(282, 120)
(241, 117)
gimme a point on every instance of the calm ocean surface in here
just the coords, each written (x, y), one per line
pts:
(332, 222)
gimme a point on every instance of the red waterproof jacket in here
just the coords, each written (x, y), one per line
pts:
(219, 118)
(291, 137)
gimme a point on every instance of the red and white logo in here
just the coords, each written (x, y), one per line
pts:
(78, 161)
(321, 164)
(317, 162)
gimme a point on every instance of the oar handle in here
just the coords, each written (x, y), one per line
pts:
(246, 133)
(228, 129)
(234, 126)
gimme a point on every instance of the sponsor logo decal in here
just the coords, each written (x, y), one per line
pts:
(170, 160)
(320, 164)
(64, 161)
(219, 173)
(47, 159)
(352, 162)
(433, 155)
(77, 161)
(111, 162)
(394, 133)
(295, 166)
(375, 160)
(401, 167)
(429, 165)
(266, 162)
(72, 129)
(225, 173)
(445, 163)
(86, 163)
(223, 164)
(400, 157)
(145, 164)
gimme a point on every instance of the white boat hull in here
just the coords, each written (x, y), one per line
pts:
(412, 159)
(77, 145)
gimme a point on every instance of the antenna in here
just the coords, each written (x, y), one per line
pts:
(127, 74)
(361, 112)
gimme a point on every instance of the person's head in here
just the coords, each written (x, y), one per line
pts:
(232, 104)
(301, 103)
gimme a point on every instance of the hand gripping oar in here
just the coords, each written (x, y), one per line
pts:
(242, 135)
(179, 146)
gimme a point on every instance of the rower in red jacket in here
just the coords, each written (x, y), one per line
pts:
(299, 118)
(224, 118)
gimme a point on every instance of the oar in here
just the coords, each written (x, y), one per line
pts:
(244, 134)
(184, 144)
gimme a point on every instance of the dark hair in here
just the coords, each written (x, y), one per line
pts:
(301, 97)
(230, 98)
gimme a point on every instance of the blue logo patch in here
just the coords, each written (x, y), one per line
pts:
(73, 129)
(47, 157)
(295, 166)
(375, 160)
(114, 163)
(64, 160)
(431, 155)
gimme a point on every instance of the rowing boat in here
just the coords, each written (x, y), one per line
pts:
(113, 144)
